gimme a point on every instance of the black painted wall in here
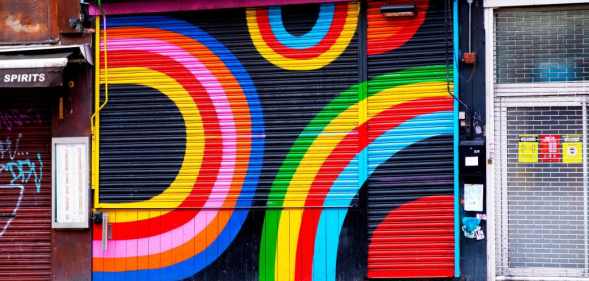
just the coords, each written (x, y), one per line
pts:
(472, 93)
(472, 77)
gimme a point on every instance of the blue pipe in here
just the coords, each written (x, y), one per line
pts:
(455, 72)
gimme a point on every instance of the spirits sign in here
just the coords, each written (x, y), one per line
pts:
(31, 78)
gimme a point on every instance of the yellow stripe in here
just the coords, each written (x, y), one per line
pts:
(182, 185)
(289, 225)
(322, 60)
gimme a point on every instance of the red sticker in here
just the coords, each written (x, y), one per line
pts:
(550, 148)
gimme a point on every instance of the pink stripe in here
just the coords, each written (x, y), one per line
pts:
(176, 237)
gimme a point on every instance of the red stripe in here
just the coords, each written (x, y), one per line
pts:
(335, 30)
(212, 151)
(340, 158)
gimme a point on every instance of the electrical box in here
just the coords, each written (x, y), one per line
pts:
(472, 160)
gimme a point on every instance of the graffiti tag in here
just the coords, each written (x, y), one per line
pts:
(20, 167)
(8, 148)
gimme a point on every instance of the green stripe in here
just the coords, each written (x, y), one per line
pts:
(289, 166)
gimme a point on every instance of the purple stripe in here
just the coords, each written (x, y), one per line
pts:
(158, 6)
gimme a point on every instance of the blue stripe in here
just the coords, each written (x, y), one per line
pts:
(307, 40)
(197, 263)
(331, 223)
(456, 140)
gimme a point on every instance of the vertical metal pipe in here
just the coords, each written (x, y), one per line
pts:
(456, 49)
(469, 26)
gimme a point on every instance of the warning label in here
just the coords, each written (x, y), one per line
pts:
(572, 149)
(528, 149)
(550, 149)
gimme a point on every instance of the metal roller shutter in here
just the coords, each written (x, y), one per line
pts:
(410, 189)
(300, 119)
(144, 140)
(25, 187)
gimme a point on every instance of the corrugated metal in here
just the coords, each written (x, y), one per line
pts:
(308, 104)
(298, 105)
(25, 187)
(410, 202)
(142, 143)
(143, 131)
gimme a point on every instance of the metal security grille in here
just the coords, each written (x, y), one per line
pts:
(538, 155)
(542, 202)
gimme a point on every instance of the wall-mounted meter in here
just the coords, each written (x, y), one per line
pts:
(472, 160)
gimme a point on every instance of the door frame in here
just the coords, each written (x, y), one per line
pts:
(493, 152)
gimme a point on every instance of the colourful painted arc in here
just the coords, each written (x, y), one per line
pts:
(395, 122)
(190, 55)
(326, 41)
(330, 225)
(281, 233)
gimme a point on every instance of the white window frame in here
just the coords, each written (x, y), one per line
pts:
(493, 91)
(515, 3)
(85, 190)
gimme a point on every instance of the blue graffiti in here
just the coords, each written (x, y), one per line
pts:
(18, 166)
(24, 171)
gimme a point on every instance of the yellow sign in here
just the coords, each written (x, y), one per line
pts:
(528, 149)
(572, 149)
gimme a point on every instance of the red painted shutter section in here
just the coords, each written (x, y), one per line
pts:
(25, 187)
(414, 241)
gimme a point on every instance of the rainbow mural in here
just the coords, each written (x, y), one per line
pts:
(407, 100)
(232, 148)
(328, 39)
(191, 69)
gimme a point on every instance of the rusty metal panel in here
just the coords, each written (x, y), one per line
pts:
(67, 9)
(25, 187)
(410, 201)
(26, 21)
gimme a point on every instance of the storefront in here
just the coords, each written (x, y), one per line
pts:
(298, 142)
(537, 96)
(45, 95)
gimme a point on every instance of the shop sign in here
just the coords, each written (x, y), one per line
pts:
(30, 78)
(528, 149)
(572, 149)
(550, 148)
